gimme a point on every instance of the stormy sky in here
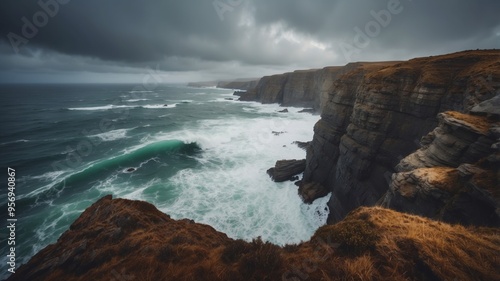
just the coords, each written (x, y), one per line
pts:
(198, 40)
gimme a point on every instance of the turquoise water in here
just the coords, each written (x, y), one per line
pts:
(189, 151)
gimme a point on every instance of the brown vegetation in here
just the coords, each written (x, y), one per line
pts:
(478, 123)
(117, 239)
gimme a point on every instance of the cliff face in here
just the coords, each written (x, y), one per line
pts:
(303, 88)
(299, 89)
(455, 176)
(118, 239)
(269, 89)
(240, 85)
(375, 115)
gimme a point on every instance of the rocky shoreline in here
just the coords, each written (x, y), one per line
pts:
(373, 115)
(410, 152)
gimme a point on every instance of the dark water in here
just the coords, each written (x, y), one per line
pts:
(191, 152)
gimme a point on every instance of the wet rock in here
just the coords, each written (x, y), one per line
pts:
(312, 191)
(285, 170)
(284, 110)
(250, 95)
(302, 144)
(239, 93)
(307, 110)
(276, 133)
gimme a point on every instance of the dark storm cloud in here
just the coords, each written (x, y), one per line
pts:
(123, 36)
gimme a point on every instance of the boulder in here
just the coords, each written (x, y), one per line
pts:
(302, 144)
(311, 191)
(239, 93)
(285, 170)
(307, 110)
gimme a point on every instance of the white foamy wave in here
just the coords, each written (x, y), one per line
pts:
(113, 135)
(185, 101)
(136, 100)
(244, 203)
(227, 99)
(231, 191)
(49, 176)
(132, 92)
(16, 141)
(159, 106)
(105, 107)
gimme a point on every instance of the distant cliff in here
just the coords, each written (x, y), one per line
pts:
(375, 115)
(296, 88)
(243, 84)
(303, 88)
(239, 84)
(117, 239)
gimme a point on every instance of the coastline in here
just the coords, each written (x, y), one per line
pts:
(373, 116)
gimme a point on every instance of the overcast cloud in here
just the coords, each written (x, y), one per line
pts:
(196, 40)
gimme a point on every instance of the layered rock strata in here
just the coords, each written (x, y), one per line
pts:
(302, 88)
(117, 239)
(376, 114)
(455, 176)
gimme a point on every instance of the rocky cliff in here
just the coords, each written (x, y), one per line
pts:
(299, 88)
(376, 114)
(303, 88)
(420, 137)
(455, 176)
(117, 239)
(240, 84)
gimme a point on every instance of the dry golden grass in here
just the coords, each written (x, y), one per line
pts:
(445, 178)
(436, 249)
(436, 70)
(370, 244)
(480, 123)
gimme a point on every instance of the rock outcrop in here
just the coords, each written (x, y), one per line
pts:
(285, 170)
(375, 114)
(117, 239)
(455, 176)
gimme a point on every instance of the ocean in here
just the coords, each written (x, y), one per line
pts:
(192, 152)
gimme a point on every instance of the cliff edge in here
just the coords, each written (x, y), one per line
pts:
(375, 115)
(117, 239)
